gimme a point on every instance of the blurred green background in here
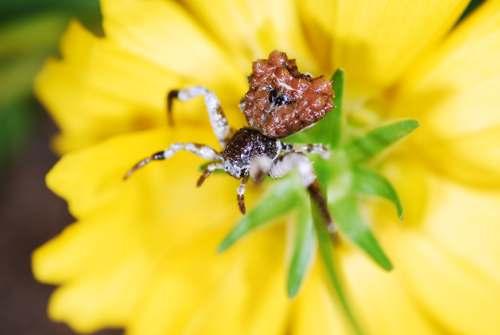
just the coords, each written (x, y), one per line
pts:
(29, 33)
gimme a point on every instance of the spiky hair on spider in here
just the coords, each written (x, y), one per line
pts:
(280, 101)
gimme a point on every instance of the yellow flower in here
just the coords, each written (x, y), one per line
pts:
(142, 254)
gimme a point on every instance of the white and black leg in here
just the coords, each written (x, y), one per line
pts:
(260, 167)
(208, 171)
(218, 120)
(200, 150)
(319, 149)
(299, 162)
(240, 194)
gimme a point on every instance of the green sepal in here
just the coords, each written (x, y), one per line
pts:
(279, 200)
(302, 251)
(348, 219)
(372, 143)
(369, 182)
(326, 250)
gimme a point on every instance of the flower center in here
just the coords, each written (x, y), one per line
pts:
(362, 115)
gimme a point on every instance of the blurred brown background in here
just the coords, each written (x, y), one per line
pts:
(29, 214)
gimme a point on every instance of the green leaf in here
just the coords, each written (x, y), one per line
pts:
(372, 183)
(280, 199)
(302, 252)
(326, 252)
(338, 88)
(327, 130)
(300, 137)
(347, 216)
(369, 145)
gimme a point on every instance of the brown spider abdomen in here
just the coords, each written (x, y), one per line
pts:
(281, 100)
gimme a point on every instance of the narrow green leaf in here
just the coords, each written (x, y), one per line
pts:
(302, 252)
(300, 137)
(326, 252)
(327, 130)
(369, 182)
(367, 146)
(347, 216)
(336, 114)
(281, 198)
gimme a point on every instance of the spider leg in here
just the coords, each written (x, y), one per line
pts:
(319, 149)
(218, 120)
(240, 195)
(170, 101)
(200, 150)
(260, 167)
(208, 171)
(285, 164)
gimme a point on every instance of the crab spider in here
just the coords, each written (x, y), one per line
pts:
(277, 105)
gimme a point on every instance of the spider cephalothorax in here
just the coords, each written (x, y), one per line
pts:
(280, 102)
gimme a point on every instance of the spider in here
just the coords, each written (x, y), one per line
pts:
(280, 101)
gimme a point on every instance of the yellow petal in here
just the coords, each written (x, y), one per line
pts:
(277, 26)
(267, 305)
(105, 164)
(257, 27)
(249, 298)
(240, 39)
(103, 298)
(375, 41)
(454, 93)
(450, 291)
(447, 252)
(108, 68)
(99, 90)
(315, 312)
(471, 233)
(464, 220)
(91, 245)
(163, 33)
(202, 292)
(70, 103)
(183, 281)
(380, 299)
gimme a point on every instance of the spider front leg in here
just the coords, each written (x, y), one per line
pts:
(218, 120)
(208, 171)
(260, 167)
(200, 150)
(319, 149)
(240, 194)
(285, 164)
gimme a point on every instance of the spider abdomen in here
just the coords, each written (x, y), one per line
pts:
(245, 145)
